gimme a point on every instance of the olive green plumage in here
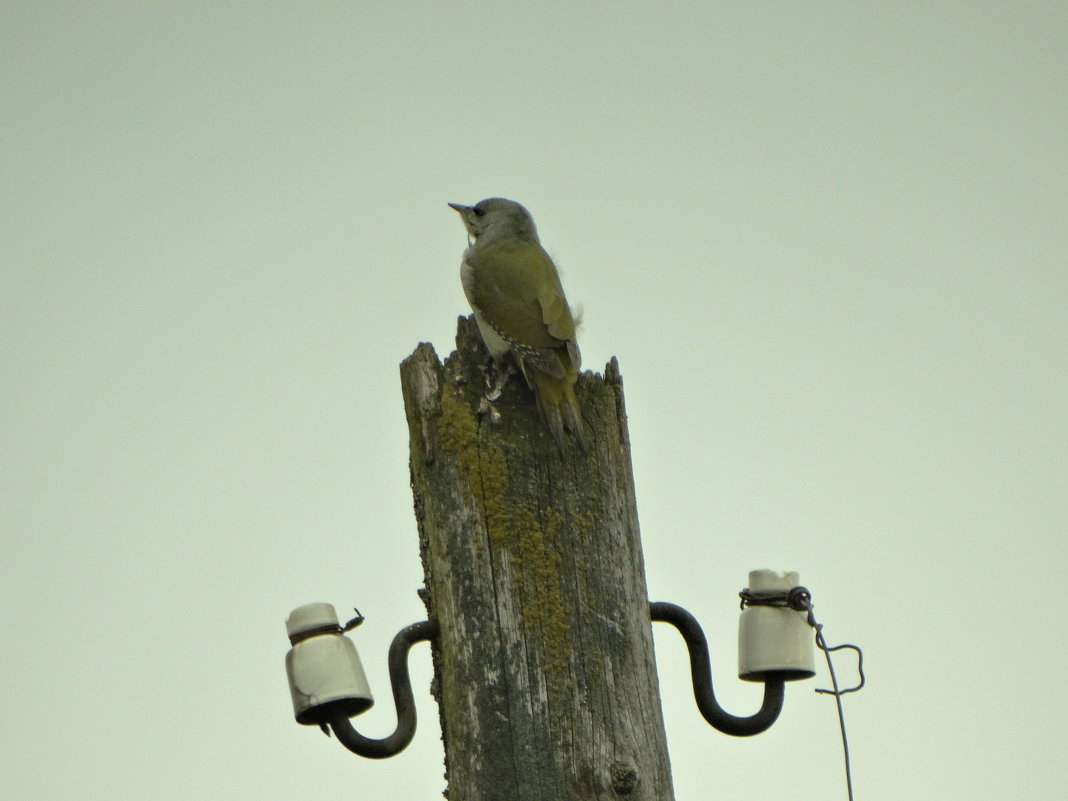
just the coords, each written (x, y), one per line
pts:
(519, 304)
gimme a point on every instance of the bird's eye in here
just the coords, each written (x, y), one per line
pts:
(479, 211)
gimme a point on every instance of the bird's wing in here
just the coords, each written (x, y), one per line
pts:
(516, 289)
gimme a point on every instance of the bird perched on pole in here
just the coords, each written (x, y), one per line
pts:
(519, 305)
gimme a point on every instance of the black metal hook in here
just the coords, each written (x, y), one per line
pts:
(402, 698)
(701, 671)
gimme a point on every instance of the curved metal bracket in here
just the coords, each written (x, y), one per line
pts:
(402, 698)
(701, 670)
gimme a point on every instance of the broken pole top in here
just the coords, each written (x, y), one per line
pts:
(544, 668)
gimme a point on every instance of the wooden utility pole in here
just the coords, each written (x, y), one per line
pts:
(545, 678)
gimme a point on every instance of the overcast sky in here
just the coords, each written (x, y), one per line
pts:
(826, 241)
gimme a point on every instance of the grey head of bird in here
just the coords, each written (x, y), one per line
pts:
(496, 217)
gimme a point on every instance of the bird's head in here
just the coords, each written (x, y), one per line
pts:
(496, 216)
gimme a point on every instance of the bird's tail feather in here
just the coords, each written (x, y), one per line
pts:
(573, 416)
(559, 407)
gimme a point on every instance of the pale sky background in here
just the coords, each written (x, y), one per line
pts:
(826, 241)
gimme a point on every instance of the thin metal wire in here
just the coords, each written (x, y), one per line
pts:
(822, 643)
(801, 599)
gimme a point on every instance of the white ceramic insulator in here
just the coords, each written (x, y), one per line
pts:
(325, 674)
(774, 639)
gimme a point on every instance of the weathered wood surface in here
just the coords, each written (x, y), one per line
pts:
(544, 668)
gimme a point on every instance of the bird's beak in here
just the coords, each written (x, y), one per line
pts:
(467, 217)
